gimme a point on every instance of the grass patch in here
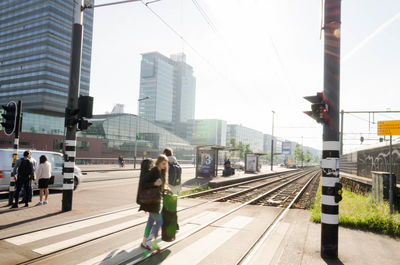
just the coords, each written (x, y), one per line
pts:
(359, 211)
(196, 190)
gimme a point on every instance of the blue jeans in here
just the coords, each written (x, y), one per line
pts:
(154, 228)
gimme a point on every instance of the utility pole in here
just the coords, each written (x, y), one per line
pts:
(272, 141)
(341, 131)
(331, 145)
(302, 153)
(391, 182)
(137, 131)
(72, 110)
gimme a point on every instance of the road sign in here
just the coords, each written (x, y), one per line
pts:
(386, 128)
(286, 148)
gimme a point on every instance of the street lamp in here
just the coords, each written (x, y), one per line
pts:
(272, 142)
(136, 133)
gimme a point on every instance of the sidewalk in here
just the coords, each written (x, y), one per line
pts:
(114, 167)
(296, 240)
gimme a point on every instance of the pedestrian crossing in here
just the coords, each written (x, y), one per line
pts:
(66, 236)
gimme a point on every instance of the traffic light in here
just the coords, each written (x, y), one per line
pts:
(9, 117)
(338, 192)
(319, 108)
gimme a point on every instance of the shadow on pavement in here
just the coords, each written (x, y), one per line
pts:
(157, 259)
(27, 220)
(333, 261)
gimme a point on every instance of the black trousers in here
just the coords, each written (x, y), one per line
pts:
(22, 182)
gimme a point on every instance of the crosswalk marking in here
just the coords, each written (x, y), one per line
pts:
(133, 249)
(35, 236)
(197, 251)
(88, 236)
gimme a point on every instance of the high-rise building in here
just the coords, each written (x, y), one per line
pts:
(171, 86)
(209, 132)
(35, 49)
(246, 135)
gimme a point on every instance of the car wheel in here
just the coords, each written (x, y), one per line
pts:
(75, 183)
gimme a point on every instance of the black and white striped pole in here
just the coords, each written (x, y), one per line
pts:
(331, 188)
(72, 110)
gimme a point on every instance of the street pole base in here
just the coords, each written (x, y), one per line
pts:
(67, 200)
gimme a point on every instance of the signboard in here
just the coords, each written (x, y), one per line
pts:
(251, 163)
(386, 128)
(206, 163)
(286, 148)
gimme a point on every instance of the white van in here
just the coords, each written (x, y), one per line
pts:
(56, 160)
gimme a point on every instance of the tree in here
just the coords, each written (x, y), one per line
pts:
(298, 153)
(308, 156)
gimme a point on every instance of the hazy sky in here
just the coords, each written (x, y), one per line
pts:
(266, 55)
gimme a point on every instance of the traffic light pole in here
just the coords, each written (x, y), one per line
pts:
(15, 153)
(71, 115)
(272, 141)
(331, 144)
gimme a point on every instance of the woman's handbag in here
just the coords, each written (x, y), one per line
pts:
(150, 195)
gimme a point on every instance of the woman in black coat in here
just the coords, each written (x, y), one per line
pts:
(151, 179)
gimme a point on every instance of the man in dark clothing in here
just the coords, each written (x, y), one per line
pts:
(23, 173)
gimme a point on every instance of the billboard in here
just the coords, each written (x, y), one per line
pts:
(286, 148)
(251, 163)
(206, 163)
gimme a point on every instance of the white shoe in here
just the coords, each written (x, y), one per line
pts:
(39, 203)
(45, 202)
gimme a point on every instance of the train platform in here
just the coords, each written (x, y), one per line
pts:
(241, 176)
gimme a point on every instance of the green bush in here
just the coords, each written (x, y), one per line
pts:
(358, 211)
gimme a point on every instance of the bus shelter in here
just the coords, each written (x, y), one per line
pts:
(207, 160)
(252, 164)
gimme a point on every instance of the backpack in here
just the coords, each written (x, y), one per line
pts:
(174, 174)
(25, 169)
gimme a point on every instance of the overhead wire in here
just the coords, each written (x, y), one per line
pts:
(205, 16)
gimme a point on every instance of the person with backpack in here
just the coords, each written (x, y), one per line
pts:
(30, 190)
(23, 172)
(149, 197)
(44, 175)
(174, 172)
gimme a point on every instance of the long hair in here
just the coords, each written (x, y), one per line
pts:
(164, 172)
(146, 165)
(43, 159)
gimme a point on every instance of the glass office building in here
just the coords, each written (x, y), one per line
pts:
(210, 132)
(35, 49)
(246, 135)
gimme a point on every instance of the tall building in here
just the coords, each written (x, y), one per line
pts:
(171, 86)
(35, 49)
(209, 132)
(246, 135)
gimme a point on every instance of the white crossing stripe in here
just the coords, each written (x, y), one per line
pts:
(332, 219)
(329, 181)
(328, 200)
(331, 145)
(68, 228)
(196, 252)
(88, 236)
(133, 249)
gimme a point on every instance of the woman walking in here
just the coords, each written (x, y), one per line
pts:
(44, 175)
(149, 198)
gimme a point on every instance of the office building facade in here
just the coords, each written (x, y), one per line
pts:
(171, 87)
(35, 49)
(209, 132)
(246, 135)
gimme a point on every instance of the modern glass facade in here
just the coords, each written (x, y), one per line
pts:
(210, 132)
(246, 135)
(171, 86)
(35, 48)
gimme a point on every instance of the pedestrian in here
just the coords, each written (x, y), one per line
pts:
(23, 173)
(145, 167)
(151, 187)
(174, 172)
(121, 161)
(43, 175)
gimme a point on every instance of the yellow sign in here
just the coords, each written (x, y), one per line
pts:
(388, 128)
(15, 157)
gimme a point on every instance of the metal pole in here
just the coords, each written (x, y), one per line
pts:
(390, 176)
(272, 142)
(331, 144)
(341, 131)
(72, 111)
(15, 154)
(302, 153)
(136, 136)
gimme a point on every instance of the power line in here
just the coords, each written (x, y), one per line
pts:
(205, 16)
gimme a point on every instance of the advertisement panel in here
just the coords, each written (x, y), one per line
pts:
(286, 148)
(251, 163)
(206, 163)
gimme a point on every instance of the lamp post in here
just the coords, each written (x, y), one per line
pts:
(136, 129)
(272, 141)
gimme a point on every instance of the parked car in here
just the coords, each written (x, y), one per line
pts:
(238, 165)
(56, 160)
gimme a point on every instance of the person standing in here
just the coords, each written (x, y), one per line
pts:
(174, 172)
(43, 175)
(151, 187)
(30, 190)
(23, 172)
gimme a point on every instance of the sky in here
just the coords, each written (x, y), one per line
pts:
(261, 55)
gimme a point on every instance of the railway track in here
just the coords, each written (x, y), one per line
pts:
(249, 192)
